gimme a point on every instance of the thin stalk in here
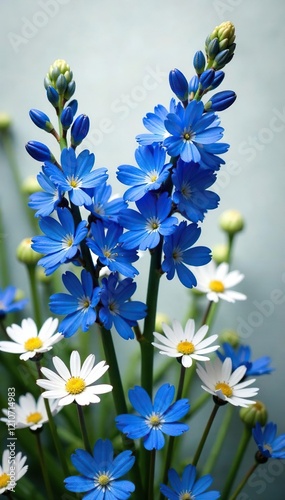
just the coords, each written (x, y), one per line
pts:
(245, 438)
(149, 324)
(83, 428)
(220, 440)
(151, 475)
(43, 466)
(5, 274)
(205, 435)
(34, 294)
(53, 431)
(244, 481)
(170, 446)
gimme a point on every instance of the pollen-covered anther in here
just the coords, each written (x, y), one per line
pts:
(75, 385)
(185, 347)
(216, 286)
(33, 343)
(225, 388)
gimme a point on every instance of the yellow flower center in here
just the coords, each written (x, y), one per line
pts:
(216, 286)
(185, 496)
(187, 136)
(153, 176)
(103, 479)
(225, 388)
(73, 182)
(34, 418)
(185, 347)
(154, 420)
(33, 343)
(75, 385)
(4, 480)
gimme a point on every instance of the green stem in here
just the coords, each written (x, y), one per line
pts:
(151, 475)
(170, 447)
(53, 431)
(244, 481)
(5, 274)
(34, 294)
(246, 436)
(149, 324)
(220, 440)
(43, 467)
(83, 428)
(205, 435)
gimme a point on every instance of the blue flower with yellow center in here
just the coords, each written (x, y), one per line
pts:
(187, 488)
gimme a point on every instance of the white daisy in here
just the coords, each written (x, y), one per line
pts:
(27, 341)
(30, 413)
(216, 281)
(220, 381)
(185, 343)
(11, 470)
(74, 385)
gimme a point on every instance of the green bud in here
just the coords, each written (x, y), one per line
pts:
(5, 122)
(159, 319)
(253, 414)
(231, 221)
(221, 40)
(60, 77)
(30, 185)
(229, 336)
(220, 253)
(26, 254)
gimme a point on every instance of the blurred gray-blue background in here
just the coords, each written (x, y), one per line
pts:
(121, 52)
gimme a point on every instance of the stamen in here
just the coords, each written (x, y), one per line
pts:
(185, 347)
(4, 480)
(103, 479)
(75, 385)
(216, 286)
(33, 343)
(225, 388)
(34, 418)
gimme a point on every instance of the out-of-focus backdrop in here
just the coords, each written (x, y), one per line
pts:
(121, 52)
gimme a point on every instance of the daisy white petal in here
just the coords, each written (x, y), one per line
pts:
(217, 282)
(185, 343)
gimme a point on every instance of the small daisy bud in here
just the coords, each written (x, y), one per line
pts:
(229, 336)
(5, 122)
(220, 253)
(60, 77)
(254, 413)
(26, 254)
(159, 319)
(30, 185)
(231, 221)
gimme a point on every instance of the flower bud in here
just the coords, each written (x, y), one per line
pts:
(254, 413)
(26, 254)
(178, 84)
(66, 118)
(41, 120)
(231, 221)
(30, 185)
(79, 130)
(220, 253)
(231, 337)
(199, 62)
(219, 76)
(220, 46)
(193, 84)
(70, 89)
(53, 96)
(207, 78)
(159, 319)
(220, 101)
(5, 122)
(39, 151)
(60, 77)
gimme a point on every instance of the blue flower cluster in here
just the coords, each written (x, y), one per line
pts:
(171, 196)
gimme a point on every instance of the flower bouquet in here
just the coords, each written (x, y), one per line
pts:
(100, 402)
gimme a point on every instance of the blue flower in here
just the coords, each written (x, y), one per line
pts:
(61, 243)
(186, 487)
(102, 207)
(109, 251)
(268, 444)
(209, 158)
(152, 172)
(100, 472)
(241, 356)
(190, 195)
(47, 200)
(76, 176)
(116, 307)
(154, 122)
(190, 129)
(178, 253)
(155, 419)
(79, 306)
(8, 301)
(146, 226)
